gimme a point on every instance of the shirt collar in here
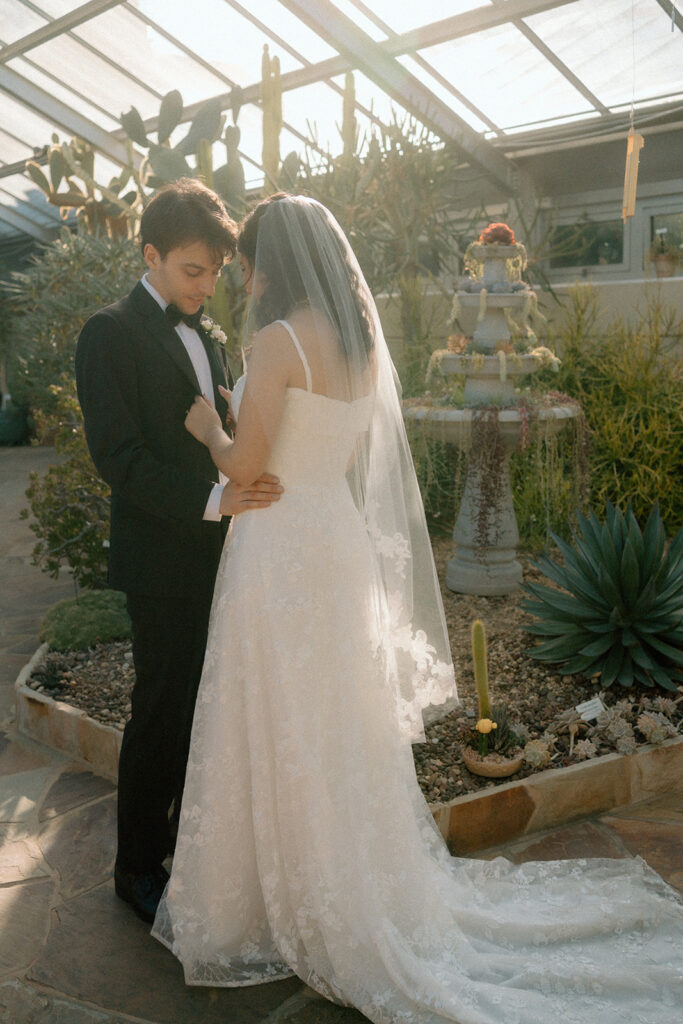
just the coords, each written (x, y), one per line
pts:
(153, 292)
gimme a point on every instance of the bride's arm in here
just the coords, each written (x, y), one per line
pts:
(245, 458)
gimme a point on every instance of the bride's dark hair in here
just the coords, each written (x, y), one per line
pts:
(282, 294)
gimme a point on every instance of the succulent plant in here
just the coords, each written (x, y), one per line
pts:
(655, 727)
(621, 611)
(537, 754)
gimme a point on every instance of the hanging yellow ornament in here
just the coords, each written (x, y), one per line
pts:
(634, 145)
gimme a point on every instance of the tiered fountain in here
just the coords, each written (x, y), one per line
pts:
(488, 564)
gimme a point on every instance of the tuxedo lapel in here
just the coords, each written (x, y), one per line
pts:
(164, 333)
(215, 364)
(220, 374)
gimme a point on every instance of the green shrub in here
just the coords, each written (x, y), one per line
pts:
(629, 382)
(70, 503)
(620, 609)
(67, 281)
(89, 619)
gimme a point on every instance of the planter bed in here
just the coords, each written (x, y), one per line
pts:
(487, 817)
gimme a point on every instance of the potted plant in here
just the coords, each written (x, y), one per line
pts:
(664, 255)
(491, 748)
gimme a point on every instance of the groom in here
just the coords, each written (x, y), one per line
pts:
(139, 365)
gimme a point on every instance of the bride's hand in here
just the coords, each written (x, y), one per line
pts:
(202, 420)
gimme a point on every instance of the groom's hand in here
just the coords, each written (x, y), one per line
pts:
(261, 494)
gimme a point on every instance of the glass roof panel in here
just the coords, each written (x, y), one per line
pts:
(278, 18)
(506, 77)
(138, 49)
(93, 77)
(24, 124)
(230, 41)
(444, 94)
(13, 149)
(597, 42)
(58, 89)
(17, 21)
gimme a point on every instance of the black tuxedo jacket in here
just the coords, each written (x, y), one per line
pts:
(135, 384)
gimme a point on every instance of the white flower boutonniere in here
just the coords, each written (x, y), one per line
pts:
(214, 330)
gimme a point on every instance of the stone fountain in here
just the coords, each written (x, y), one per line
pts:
(488, 564)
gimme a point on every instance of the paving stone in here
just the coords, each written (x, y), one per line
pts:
(73, 787)
(664, 808)
(82, 846)
(20, 794)
(308, 1007)
(23, 1004)
(16, 756)
(25, 916)
(99, 952)
(584, 839)
(19, 859)
(660, 844)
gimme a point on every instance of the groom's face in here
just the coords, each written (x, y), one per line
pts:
(186, 275)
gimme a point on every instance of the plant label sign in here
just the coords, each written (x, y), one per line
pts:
(590, 709)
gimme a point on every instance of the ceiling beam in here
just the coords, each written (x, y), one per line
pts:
(459, 25)
(56, 27)
(364, 54)
(60, 115)
(670, 9)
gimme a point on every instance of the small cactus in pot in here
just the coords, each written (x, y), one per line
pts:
(492, 739)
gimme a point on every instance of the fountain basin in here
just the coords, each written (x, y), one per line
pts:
(454, 426)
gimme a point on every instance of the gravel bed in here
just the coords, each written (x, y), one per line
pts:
(99, 681)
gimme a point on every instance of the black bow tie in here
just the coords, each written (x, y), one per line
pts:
(193, 320)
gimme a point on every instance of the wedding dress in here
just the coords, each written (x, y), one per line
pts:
(305, 844)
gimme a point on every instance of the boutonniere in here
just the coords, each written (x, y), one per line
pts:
(219, 338)
(214, 330)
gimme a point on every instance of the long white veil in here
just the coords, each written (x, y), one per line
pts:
(304, 261)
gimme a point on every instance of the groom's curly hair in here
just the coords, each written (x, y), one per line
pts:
(187, 211)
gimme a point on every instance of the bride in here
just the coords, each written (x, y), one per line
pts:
(305, 845)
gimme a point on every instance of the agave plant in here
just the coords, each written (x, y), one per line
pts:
(621, 613)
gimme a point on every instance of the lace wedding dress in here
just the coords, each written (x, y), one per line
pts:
(305, 844)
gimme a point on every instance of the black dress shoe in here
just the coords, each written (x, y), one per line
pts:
(143, 891)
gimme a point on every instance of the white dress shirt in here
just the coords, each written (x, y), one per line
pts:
(200, 363)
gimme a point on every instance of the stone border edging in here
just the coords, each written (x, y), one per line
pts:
(64, 727)
(558, 796)
(468, 823)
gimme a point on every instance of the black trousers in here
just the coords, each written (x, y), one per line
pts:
(169, 640)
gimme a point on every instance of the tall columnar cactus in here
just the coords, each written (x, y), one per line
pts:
(271, 99)
(481, 675)
(349, 122)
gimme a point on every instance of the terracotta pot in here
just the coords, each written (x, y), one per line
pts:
(493, 766)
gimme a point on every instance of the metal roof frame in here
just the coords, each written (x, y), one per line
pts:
(367, 55)
(55, 26)
(356, 50)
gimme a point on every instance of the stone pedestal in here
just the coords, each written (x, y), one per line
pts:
(493, 568)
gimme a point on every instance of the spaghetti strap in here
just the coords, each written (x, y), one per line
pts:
(297, 343)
